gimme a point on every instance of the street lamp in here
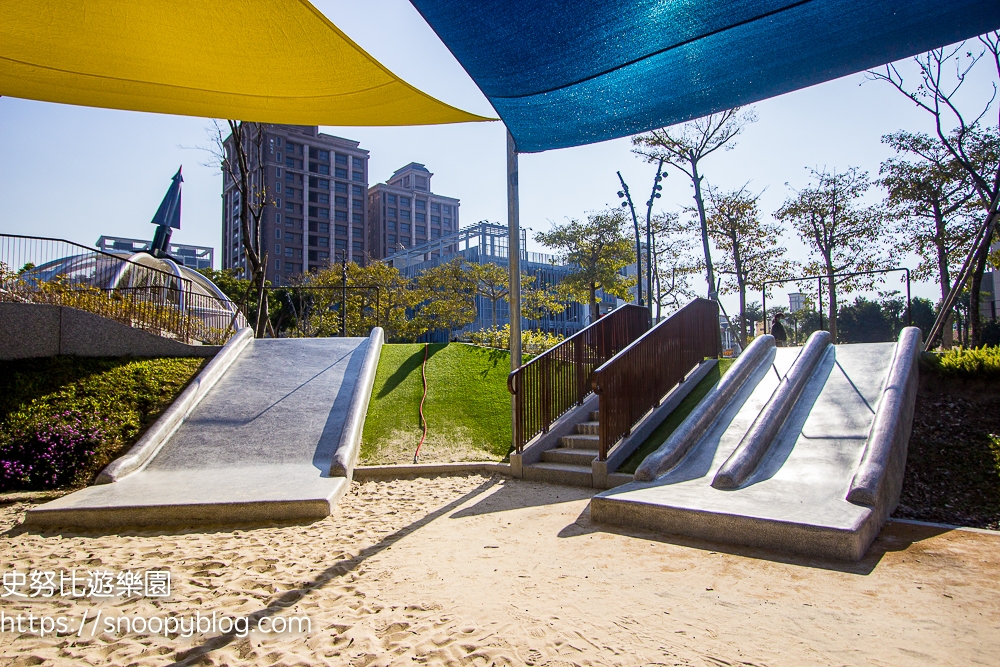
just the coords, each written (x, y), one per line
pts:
(655, 194)
(627, 203)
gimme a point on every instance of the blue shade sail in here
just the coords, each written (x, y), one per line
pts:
(564, 74)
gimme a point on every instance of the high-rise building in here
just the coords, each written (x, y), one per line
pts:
(316, 213)
(403, 212)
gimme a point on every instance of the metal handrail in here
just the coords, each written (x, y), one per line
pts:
(555, 381)
(636, 379)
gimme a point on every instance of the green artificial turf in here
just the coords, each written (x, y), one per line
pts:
(103, 404)
(674, 419)
(467, 407)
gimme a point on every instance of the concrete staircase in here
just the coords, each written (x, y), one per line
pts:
(571, 461)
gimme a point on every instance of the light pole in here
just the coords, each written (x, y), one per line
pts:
(655, 194)
(627, 202)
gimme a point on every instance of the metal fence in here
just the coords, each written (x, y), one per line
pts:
(636, 379)
(555, 381)
(329, 310)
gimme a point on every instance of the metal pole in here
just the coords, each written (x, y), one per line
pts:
(638, 241)
(649, 238)
(513, 254)
(909, 312)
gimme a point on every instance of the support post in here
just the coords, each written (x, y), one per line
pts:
(513, 254)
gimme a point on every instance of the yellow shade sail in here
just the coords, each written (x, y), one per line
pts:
(272, 61)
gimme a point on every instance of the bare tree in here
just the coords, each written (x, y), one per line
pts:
(683, 147)
(929, 195)
(750, 246)
(241, 156)
(966, 135)
(674, 262)
(844, 236)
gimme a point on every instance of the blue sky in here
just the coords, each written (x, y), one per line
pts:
(77, 173)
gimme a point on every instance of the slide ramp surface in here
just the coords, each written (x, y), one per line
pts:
(258, 446)
(795, 498)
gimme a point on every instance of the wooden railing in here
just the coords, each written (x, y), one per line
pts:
(555, 381)
(637, 378)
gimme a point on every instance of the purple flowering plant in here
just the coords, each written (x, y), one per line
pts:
(47, 453)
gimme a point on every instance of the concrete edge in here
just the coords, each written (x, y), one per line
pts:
(652, 421)
(346, 453)
(744, 460)
(532, 452)
(143, 451)
(947, 526)
(155, 516)
(878, 479)
(430, 469)
(706, 412)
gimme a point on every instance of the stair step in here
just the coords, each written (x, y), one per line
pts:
(559, 473)
(580, 441)
(588, 428)
(580, 457)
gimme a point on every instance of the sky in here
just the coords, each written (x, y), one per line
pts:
(77, 173)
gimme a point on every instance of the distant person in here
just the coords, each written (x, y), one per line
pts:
(778, 330)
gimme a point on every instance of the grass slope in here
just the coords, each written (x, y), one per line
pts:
(674, 419)
(467, 407)
(52, 397)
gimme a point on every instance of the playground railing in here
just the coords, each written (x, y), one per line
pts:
(555, 381)
(634, 381)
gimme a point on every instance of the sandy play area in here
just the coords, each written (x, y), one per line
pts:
(470, 570)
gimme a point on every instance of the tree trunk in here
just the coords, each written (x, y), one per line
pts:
(709, 271)
(494, 325)
(743, 317)
(975, 321)
(593, 304)
(831, 284)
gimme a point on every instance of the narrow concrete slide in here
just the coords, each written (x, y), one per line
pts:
(268, 431)
(795, 449)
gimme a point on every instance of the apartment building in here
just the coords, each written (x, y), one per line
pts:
(404, 212)
(317, 209)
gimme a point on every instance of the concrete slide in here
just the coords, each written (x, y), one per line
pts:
(796, 449)
(268, 431)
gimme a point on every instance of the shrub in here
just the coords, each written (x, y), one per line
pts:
(48, 453)
(532, 341)
(980, 362)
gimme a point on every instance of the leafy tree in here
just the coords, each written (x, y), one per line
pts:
(749, 245)
(492, 282)
(540, 302)
(448, 293)
(599, 249)
(684, 146)
(239, 290)
(969, 135)
(844, 236)
(929, 194)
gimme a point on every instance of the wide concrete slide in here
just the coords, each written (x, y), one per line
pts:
(262, 444)
(802, 451)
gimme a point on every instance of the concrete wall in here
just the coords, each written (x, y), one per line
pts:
(41, 330)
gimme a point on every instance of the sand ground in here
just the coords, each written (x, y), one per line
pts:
(491, 571)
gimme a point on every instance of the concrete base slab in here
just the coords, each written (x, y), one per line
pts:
(796, 499)
(173, 498)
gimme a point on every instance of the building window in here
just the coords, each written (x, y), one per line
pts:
(421, 230)
(323, 199)
(447, 223)
(279, 156)
(392, 225)
(435, 219)
(392, 239)
(277, 172)
(324, 155)
(447, 209)
(324, 184)
(324, 169)
(358, 163)
(357, 176)
(324, 213)
(405, 228)
(357, 218)
(278, 142)
(435, 208)
(392, 213)
(277, 218)
(404, 215)
(340, 230)
(420, 182)
(392, 199)
(324, 227)
(357, 191)
(404, 202)
(340, 216)
(324, 255)
(289, 177)
(340, 244)
(313, 241)
(341, 188)
(288, 252)
(420, 217)
(358, 203)
(358, 232)
(421, 205)
(290, 207)
(277, 188)
(435, 233)
(324, 241)
(359, 246)
(340, 172)
(290, 146)
(277, 234)
(277, 264)
(289, 162)
(340, 201)
(341, 159)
